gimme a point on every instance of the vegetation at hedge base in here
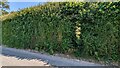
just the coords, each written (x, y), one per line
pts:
(82, 29)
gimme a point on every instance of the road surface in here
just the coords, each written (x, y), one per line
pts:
(13, 61)
(12, 54)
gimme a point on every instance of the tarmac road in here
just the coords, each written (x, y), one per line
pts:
(12, 54)
(13, 61)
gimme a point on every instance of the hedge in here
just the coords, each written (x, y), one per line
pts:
(82, 29)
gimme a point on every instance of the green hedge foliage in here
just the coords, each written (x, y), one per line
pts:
(82, 29)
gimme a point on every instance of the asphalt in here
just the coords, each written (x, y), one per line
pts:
(13, 61)
(50, 59)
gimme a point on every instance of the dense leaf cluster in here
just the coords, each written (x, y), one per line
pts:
(83, 29)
